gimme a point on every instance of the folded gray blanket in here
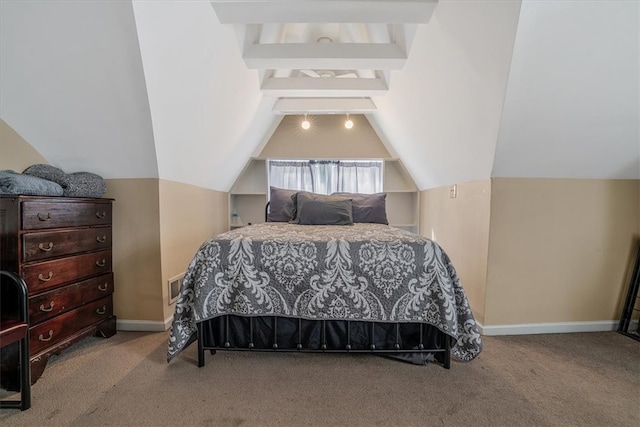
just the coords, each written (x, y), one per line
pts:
(15, 183)
(77, 184)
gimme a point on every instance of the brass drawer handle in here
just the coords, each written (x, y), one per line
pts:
(45, 279)
(41, 217)
(41, 338)
(101, 215)
(101, 262)
(45, 309)
(103, 287)
(47, 249)
(101, 239)
(102, 310)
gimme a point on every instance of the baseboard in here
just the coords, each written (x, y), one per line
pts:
(144, 325)
(548, 328)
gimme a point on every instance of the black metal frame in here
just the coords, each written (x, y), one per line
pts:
(22, 315)
(630, 303)
(324, 346)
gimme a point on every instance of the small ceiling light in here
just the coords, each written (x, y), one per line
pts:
(349, 123)
(305, 123)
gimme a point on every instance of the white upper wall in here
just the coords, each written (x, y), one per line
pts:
(72, 85)
(207, 109)
(442, 112)
(572, 106)
(181, 105)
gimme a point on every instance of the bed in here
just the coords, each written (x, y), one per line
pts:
(361, 287)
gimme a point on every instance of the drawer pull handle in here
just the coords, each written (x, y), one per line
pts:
(45, 309)
(45, 279)
(46, 249)
(101, 310)
(101, 239)
(101, 262)
(41, 217)
(103, 287)
(101, 215)
(42, 338)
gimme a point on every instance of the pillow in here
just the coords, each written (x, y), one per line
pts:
(48, 172)
(368, 207)
(282, 207)
(85, 184)
(318, 209)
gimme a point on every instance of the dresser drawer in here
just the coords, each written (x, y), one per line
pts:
(39, 215)
(49, 304)
(46, 275)
(53, 244)
(51, 332)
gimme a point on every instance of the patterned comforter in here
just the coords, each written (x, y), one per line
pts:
(366, 272)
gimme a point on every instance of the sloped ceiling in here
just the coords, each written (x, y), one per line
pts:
(164, 89)
(572, 103)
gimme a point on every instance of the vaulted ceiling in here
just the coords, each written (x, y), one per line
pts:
(459, 90)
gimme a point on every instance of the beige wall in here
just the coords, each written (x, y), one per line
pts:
(136, 249)
(559, 249)
(327, 138)
(189, 215)
(157, 228)
(17, 154)
(461, 226)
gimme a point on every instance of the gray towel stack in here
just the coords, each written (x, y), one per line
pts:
(15, 183)
(77, 184)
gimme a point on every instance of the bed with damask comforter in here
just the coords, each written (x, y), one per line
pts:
(357, 288)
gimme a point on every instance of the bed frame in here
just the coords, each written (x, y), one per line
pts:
(284, 334)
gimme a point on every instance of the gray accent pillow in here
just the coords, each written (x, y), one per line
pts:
(48, 172)
(319, 209)
(85, 184)
(370, 208)
(282, 207)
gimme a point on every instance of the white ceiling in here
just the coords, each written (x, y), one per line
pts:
(459, 90)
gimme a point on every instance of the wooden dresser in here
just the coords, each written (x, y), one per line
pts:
(62, 248)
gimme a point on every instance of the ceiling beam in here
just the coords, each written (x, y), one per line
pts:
(307, 87)
(324, 105)
(325, 56)
(312, 11)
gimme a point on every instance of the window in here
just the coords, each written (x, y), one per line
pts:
(327, 176)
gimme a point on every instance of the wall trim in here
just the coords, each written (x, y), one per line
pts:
(144, 325)
(548, 328)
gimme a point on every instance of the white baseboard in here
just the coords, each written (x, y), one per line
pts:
(144, 325)
(548, 328)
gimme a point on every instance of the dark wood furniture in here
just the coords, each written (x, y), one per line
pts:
(61, 247)
(14, 329)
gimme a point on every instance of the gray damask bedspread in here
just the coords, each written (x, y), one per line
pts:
(366, 272)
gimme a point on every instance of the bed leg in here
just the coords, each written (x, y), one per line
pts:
(447, 352)
(200, 344)
(275, 332)
(324, 335)
(251, 345)
(372, 346)
(348, 335)
(227, 344)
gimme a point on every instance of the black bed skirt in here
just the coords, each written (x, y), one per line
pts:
(411, 342)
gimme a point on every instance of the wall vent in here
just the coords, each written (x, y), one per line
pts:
(175, 284)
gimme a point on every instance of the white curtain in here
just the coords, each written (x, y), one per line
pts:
(327, 176)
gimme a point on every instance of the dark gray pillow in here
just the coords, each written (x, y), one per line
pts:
(85, 184)
(282, 206)
(319, 209)
(368, 207)
(48, 172)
